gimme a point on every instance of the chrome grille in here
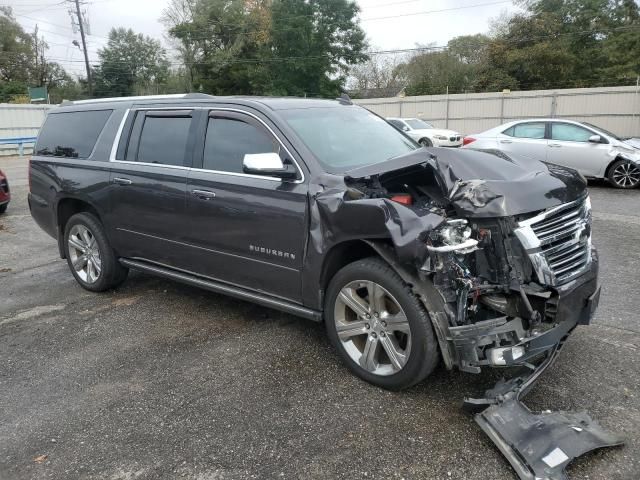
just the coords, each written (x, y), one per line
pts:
(558, 241)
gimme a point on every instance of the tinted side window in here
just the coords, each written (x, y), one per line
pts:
(569, 133)
(229, 140)
(526, 130)
(71, 134)
(396, 124)
(163, 140)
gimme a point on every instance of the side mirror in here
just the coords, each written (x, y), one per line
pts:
(267, 164)
(405, 129)
(595, 139)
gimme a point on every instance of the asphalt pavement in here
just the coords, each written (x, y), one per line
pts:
(159, 380)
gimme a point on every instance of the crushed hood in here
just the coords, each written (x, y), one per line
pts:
(487, 183)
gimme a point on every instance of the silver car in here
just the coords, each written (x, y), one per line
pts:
(592, 151)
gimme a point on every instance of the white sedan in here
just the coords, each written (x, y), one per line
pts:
(425, 134)
(592, 151)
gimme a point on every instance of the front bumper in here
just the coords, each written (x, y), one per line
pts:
(446, 143)
(575, 303)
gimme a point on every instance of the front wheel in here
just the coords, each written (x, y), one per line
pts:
(425, 142)
(3, 208)
(89, 254)
(379, 327)
(624, 174)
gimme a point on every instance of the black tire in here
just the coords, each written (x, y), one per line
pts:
(3, 208)
(425, 142)
(423, 356)
(112, 272)
(624, 174)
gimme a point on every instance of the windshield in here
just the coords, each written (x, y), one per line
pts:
(417, 124)
(347, 137)
(603, 131)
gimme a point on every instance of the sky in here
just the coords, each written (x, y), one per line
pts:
(389, 24)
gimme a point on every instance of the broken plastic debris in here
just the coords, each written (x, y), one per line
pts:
(555, 457)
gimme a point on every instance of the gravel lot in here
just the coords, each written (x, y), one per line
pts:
(160, 380)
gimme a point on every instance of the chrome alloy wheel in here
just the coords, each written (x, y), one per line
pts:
(373, 328)
(84, 253)
(626, 175)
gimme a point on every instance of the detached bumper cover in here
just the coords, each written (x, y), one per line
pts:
(540, 445)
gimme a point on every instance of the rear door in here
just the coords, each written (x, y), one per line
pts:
(148, 184)
(569, 146)
(527, 139)
(248, 230)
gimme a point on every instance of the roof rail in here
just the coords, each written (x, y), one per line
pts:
(136, 98)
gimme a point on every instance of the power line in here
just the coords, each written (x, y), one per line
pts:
(430, 48)
(427, 12)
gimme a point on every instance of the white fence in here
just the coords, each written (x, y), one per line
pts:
(20, 121)
(616, 109)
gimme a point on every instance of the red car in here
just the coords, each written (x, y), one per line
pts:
(5, 195)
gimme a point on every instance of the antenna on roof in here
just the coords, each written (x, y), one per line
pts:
(344, 99)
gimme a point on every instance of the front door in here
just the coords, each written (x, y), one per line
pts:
(248, 230)
(148, 185)
(569, 146)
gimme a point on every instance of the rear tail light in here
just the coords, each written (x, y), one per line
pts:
(404, 199)
(468, 140)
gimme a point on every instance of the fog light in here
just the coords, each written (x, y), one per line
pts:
(497, 355)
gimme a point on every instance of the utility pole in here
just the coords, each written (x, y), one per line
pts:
(84, 46)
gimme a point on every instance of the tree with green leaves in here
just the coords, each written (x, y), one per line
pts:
(553, 44)
(130, 63)
(321, 40)
(23, 64)
(275, 47)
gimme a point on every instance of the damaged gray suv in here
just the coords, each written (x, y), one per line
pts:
(322, 209)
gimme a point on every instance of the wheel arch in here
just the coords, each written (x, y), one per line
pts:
(608, 169)
(422, 288)
(342, 254)
(428, 295)
(66, 207)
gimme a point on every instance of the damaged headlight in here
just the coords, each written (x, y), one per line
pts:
(455, 236)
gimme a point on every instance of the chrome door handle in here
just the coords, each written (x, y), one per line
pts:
(556, 145)
(506, 141)
(203, 194)
(121, 181)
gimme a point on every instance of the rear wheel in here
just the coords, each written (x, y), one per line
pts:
(3, 208)
(379, 327)
(89, 254)
(425, 142)
(624, 174)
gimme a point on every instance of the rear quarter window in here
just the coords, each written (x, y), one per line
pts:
(71, 134)
(535, 130)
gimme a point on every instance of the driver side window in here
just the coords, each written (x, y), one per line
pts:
(228, 140)
(568, 132)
